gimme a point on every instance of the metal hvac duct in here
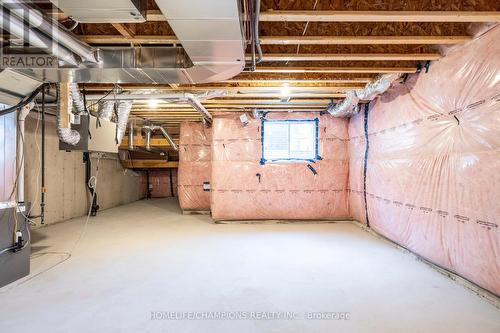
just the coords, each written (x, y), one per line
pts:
(17, 27)
(149, 129)
(54, 30)
(213, 49)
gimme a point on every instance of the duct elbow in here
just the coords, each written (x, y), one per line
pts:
(347, 107)
(68, 135)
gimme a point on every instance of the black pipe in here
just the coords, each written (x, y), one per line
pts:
(171, 183)
(88, 174)
(365, 160)
(42, 161)
(148, 189)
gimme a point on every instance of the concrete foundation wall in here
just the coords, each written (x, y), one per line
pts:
(66, 193)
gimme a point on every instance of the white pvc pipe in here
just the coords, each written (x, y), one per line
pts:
(23, 112)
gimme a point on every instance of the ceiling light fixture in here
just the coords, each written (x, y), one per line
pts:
(285, 90)
(153, 103)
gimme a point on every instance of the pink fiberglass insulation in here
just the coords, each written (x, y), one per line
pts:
(194, 165)
(433, 164)
(243, 189)
(163, 183)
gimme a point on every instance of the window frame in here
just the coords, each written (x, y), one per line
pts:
(290, 160)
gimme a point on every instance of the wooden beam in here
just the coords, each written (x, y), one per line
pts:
(124, 31)
(293, 81)
(149, 164)
(352, 57)
(379, 16)
(120, 39)
(335, 70)
(139, 141)
(65, 105)
(155, 16)
(282, 40)
(337, 40)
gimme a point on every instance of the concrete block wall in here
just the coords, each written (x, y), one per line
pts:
(66, 194)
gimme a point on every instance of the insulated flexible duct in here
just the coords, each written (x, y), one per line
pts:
(77, 98)
(124, 108)
(105, 110)
(349, 105)
(377, 87)
(65, 134)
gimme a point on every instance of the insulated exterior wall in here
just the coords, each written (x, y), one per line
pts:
(163, 183)
(433, 163)
(285, 190)
(194, 165)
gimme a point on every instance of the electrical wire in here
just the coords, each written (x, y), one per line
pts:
(23, 103)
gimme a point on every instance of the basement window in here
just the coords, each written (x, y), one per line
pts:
(289, 140)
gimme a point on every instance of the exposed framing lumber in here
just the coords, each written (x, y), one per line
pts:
(337, 70)
(351, 57)
(155, 15)
(149, 164)
(359, 16)
(379, 16)
(124, 31)
(120, 39)
(139, 141)
(127, 37)
(350, 40)
(65, 105)
(294, 81)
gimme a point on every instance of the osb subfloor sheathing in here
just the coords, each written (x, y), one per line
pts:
(144, 267)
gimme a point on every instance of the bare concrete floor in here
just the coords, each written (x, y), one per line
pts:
(146, 257)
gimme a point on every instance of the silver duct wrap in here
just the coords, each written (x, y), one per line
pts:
(124, 108)
(66, 135)
(347, 107)
(105, 110)
(377, 86)
(77, 99)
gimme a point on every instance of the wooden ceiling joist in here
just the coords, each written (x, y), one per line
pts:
(148, 164)
(365, 40)
(335, 70)
(351, 57)
(305, 81)
(379, 16)
(121, 39)
(125, 31)
(127, 37)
